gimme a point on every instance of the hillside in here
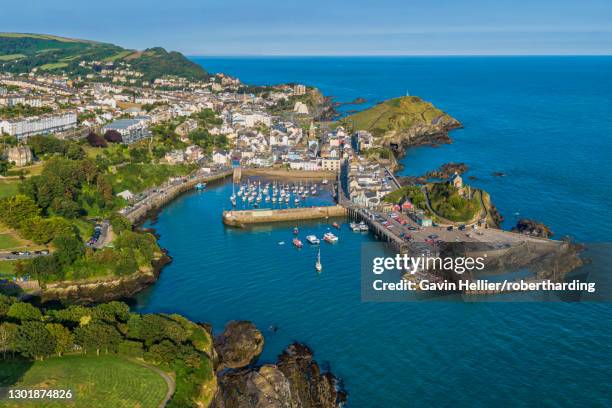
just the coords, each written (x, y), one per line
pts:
(23, 52)
(398, 115)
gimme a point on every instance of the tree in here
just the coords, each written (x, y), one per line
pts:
(24, 311)
(8, 337)
(65, 207)
(112, 136)
(119, 223)
(75, 152)
(96, 140)
(64, 340)
(97, 336)
(14, 210)
(34, 340)
(68, 249)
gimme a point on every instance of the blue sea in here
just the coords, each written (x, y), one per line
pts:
(545, 122)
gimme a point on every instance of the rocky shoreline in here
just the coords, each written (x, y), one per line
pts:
(294, 380)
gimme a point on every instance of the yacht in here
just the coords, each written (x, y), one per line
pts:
(318, 265)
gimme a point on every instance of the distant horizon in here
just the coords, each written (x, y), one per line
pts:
(324, 28)
(386, 55)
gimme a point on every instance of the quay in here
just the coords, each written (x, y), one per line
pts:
(158, 197)
(244, 217)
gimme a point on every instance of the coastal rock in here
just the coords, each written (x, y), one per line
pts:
(531, 227)
(239, 345)
(309, 386)
(264, 388)
(295, 381)
(447, 170)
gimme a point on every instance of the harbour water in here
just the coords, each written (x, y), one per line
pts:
(544, 122)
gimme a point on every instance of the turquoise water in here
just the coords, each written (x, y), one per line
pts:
(545, 122)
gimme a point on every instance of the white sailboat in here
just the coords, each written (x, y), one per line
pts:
(318, 265)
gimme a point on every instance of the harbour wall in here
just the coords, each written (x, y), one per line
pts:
(140, 210)
(290, 174)
(242, 218)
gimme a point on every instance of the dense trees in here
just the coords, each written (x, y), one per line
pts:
(112, 136)
(95, 140)
(170, 341)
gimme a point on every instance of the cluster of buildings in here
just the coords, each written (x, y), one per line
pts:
(114, 97)
(368, 183)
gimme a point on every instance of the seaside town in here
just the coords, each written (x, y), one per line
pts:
(202, 130)
(96, 140)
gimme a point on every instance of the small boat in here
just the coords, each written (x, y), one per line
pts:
(296, 201)
(281, 242)
(330, 237)
(200, 186)
(297, 243)
(313, 240)
(324, 182)
(363, 227)
(336, 225)
(354, 227)
(295, 231)
(318, 265)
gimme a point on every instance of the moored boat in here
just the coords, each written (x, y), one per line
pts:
(330, 237)
(313, 240)
(297, 243)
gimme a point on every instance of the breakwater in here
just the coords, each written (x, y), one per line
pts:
(169, 192)
(242, 218)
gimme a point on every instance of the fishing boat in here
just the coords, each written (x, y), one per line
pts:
(313, 240)
(318, 265)
(296, 231)
(330, 237)
(363, 227)
(297, 243)
(336, 225)
(200, 186)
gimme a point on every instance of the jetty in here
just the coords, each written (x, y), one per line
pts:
(244, 217)
(156, 198)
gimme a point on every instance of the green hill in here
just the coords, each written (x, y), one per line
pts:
(23, 52)
(399, 115)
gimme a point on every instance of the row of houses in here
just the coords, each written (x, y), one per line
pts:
(22, 128)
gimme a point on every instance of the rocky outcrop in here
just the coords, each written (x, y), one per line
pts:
(239, 345)
(295, 381)
(264, 388)
(447, 170)
(309, 386)
(534, 228)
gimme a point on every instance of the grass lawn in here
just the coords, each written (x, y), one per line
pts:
(105, 381)
(8, 241)
(7, 269)
(8, 188)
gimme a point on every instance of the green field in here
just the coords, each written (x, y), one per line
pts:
(138, 177)
(8, 241)
(54, 65)
(7, 269)
(97, 382)
(11, 57)
(8, 188)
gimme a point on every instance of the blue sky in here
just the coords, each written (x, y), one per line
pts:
(326, 27)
